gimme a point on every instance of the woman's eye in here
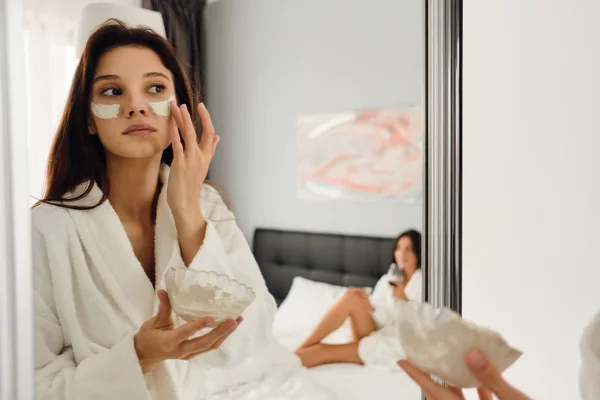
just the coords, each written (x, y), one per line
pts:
(155, 89)
(111, 92)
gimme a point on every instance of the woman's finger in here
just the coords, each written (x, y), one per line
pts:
(176, 114)
(176, 141)
(163, 317)
(204, 342)
(451, 393)
(484, 394)
(189, 132)
(184, 332)
(429, 396)
(216, 140)
(488, 375)
(216, 344)
(426, 383)
(219, 342)
(457, 391)
(208, 130)
(180, 119)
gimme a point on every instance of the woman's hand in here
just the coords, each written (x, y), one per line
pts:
(188, 171)
(157, 340)
(481, 368)
(190, 164)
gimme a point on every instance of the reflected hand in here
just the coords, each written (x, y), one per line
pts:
(158, 340)
(481, 368)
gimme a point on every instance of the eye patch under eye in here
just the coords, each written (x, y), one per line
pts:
(108, 111)
(105, 111)
(162, 108)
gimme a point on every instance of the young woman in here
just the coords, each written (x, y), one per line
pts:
(371, 317)
(115, 216)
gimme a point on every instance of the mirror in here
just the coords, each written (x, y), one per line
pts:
(316, 196)
(321, 110)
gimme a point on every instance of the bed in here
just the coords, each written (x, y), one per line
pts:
(323, 265)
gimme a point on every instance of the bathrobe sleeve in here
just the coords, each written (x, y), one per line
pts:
(382, 301)
(109, 375)
(589, 372)
(226, 250)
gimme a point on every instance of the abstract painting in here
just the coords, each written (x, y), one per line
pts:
(366, 155)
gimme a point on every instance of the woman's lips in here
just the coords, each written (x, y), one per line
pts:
(139, 130)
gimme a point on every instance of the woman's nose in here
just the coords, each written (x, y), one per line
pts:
(134, 111)
(136, 105)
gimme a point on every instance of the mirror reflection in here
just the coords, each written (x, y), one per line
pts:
(227, 197)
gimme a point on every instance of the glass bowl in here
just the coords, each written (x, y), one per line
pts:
(197, 294)
(437, 340)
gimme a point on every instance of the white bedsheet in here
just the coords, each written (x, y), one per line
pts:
(357, 382)
(277, 374)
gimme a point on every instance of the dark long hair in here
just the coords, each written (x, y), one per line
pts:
(76, 156)
(415, 238)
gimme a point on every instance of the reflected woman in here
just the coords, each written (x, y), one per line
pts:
(126, 198)
(371, 316)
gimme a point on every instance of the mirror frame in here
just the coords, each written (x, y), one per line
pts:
(443, 147)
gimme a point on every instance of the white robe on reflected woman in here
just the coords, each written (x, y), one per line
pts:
(92, 295)
(381, 349)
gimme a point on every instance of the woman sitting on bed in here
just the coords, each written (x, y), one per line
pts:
(371, 316)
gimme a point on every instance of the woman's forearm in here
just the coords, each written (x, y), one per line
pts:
(191, 230)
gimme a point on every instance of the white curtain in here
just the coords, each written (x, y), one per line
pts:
(50, 34)
(50, 62)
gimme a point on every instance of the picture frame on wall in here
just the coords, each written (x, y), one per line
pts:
(373, 154)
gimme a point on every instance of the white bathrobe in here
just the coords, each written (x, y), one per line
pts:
(589, 381)
(381, 349)
(92, 295)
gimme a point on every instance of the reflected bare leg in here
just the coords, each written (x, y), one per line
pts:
(321, 353)
(353, 304)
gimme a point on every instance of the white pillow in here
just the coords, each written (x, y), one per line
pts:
(304, 306)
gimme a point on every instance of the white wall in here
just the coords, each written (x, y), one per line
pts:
(270, 61)
(70, 9)
(531, 189)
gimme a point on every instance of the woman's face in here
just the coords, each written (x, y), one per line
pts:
(128, 85)
(404, 254)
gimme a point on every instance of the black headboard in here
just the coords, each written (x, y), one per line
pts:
(336, 259)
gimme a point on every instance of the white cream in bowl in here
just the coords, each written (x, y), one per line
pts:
(197, 294)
